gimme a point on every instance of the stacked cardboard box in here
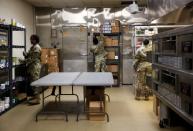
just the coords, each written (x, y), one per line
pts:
(53, 61)
(110, 42)
(50, 57)
(115, 26)
(44, 56)
(115, 42)
(115, 29)
(96, 109)
(112, 68)
(111, 55)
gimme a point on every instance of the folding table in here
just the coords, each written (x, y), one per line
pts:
(91, 79)
(55, 79)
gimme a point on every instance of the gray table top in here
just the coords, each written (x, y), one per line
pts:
(57, 79)
(75, 78)
(94, 79)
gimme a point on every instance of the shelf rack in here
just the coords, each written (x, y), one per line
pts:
(9, 91)
(116, 49)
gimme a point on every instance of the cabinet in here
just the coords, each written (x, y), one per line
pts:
(173, 70)
(12, 74)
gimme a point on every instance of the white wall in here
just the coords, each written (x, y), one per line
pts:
(22, 12)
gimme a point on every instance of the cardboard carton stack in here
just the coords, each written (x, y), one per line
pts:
(115, 26)
(50, 57)
(44, 56)
(94, 103)
(112, 68)
(96, 109)
(110, 41)
(111, 55)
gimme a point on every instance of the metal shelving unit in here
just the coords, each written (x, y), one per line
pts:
(116, 49)
(6, 51)
(173, 62)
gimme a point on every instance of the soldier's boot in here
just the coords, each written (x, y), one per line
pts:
(146, 94)
(35, 100)
(146, 97)
(138, 93)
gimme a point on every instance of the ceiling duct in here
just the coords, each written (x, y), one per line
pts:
(133, 8)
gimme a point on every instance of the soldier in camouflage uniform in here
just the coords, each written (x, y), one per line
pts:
(143, 69)
(32, 61)
(100, 54)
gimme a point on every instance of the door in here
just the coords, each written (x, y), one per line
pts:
(74, 48)
(127, 56)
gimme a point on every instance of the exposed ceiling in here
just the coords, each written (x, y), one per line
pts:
(155, 8)
(84, 3)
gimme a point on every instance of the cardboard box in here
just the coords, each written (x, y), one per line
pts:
(112, 68)
(115, 29)
(107, 41)
(115, 42)
(53, 69)
(44, 51)
(115, 23)
(53, 52)
(111, 55)
(44, 55)
(96, 106)
(44, 59)
(53, 60)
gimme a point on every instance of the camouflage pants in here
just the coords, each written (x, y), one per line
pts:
(100, 66)
(33, 72)
(141, 88)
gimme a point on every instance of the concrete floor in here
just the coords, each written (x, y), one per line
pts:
(126, 114)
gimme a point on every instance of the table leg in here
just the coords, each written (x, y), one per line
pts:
(75, 94)
(42, 104)
(43, 98)
(60, 91)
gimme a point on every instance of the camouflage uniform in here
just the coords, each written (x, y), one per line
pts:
(33, 64)
(100, 60)
(143, 69)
